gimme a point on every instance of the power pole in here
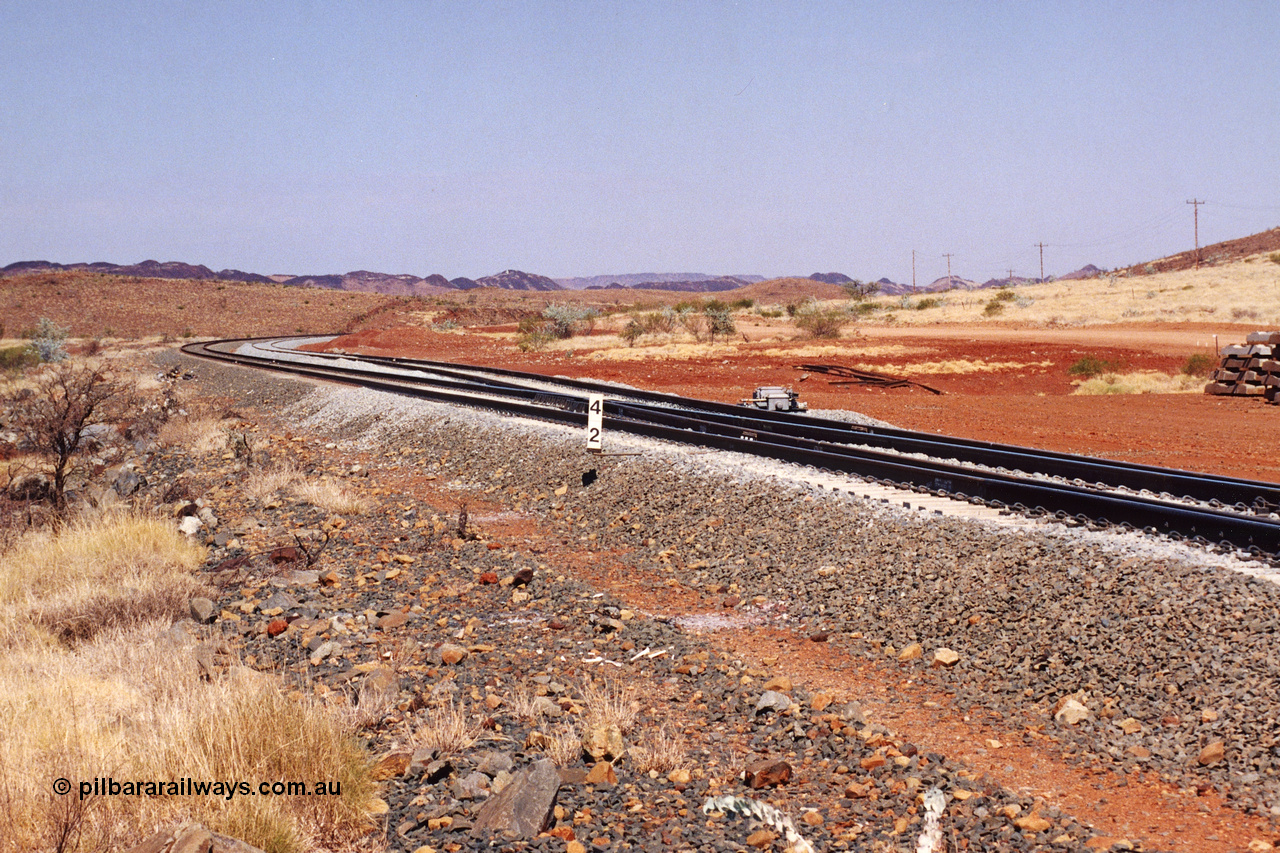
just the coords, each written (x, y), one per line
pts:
(947, 255)
(1195, 206)
(913, 269)
(1010, 278)
(1041, 245)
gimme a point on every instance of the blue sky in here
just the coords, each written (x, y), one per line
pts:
(574, 139)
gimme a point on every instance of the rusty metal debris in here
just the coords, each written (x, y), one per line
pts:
(853, 376)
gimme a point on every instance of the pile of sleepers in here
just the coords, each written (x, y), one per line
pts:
(1249, 370)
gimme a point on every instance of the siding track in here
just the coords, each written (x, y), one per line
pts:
(1233, 513)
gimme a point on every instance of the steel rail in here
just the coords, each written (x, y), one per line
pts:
(1062, 500)
(1230, 491)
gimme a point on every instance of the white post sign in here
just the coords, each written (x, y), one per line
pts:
(595, 423)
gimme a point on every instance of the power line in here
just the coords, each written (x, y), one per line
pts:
(1196, 207)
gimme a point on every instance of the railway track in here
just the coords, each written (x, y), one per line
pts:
(1232, 513)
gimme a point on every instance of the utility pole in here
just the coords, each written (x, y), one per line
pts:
(1010, 278)
(1195, 206)
(1041, 245)
(947, 255)
(913, 269)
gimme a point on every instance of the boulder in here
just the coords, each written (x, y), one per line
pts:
(603, 742)
(772, 700)
(525, 806)
(767, 773)
(1070, 711)
(202, 610)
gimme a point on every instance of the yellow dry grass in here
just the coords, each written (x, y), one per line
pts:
(1141, 382)
(122, 697)
(329, 495)
(265, 483)
(199, 434)
(449, 728)
(94, 575)
(131, 706)
(659, 750)
(954, 366)
(841, 351)
(1246, 291)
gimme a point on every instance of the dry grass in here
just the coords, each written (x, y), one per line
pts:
(199, 434)
(449, 728)
(1141, 382)
(564, 744)
(286, 480)
(524, 703)
(608, 702)
(264, 484)
(953, 366)
(131, 705)
(1246, 291)
(93, 576)
(659, 750)
(330, 496)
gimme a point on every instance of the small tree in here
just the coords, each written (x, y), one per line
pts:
(631, 332)
(55, 419)
(719, 321)
(860, 290)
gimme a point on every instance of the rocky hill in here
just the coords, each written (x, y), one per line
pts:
(647, 280)
(518, 280)
(703, 285)
(146, 269)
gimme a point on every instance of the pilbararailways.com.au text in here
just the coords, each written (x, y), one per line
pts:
(188, 787)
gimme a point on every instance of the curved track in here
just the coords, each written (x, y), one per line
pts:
(1232, 512)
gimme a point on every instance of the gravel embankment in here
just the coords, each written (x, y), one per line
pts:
(1144, 632)
(1035, 614)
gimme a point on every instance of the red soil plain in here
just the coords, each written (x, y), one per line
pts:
(1030, 404)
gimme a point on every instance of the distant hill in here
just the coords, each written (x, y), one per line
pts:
(146, 269)
(831, 277)
(361, 281)
(518, 280)
(647, 280)
(703, 285)
(1086, 271)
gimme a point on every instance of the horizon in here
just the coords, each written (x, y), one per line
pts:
(567, 139)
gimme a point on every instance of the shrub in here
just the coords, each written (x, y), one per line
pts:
(1091, 366)
(49, 340)
(1199, 364)
(1005, 295)
(631, 332)
(535, 334)
(1274, 257)
(742, 304)
(993, 308)
(15, 359)
(928, 302)
(568, 320)
(659, 322)
(719, 321)
(818, 322)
